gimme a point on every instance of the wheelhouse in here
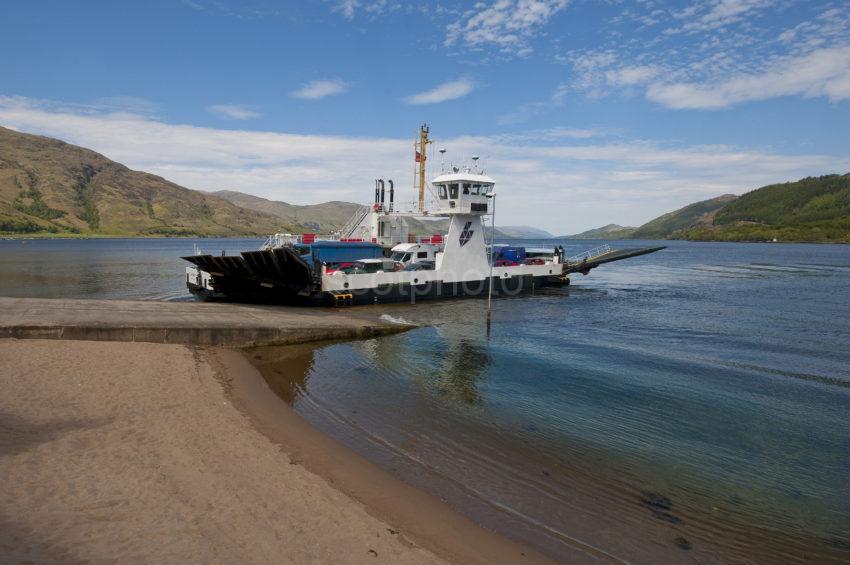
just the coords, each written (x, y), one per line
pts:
(463, 192)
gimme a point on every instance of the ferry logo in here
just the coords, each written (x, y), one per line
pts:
(466, 234)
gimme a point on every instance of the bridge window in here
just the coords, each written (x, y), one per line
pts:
(441, 190)
(466, 187)
(453, 190)
(476, 189)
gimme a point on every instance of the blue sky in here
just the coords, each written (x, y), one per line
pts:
(586, 112)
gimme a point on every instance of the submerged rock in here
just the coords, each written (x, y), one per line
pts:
(667, 517)
(655, 500)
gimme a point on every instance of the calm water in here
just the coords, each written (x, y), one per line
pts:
(104, 268)
(693, 404)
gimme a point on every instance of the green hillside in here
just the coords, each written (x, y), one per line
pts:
(611, 231)
(323, 218)
(811, 209)
(48, 186)
(693, 215)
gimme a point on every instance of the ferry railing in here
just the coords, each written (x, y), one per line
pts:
(410, 207)
(590, 254)
(354, 221)
(287, 239)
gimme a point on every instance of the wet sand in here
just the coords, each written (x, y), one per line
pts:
(164, 453)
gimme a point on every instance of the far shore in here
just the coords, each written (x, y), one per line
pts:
(156, 452)
(64, 236)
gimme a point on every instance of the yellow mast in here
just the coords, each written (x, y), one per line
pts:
(419, 148)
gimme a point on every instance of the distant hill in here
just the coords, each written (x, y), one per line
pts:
(523, 232)
(691, 216)
(321, 218)
(47, 185)
(813, 209)
(810, 209)
(611, 231)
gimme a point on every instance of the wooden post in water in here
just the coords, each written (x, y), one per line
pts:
(492, 197)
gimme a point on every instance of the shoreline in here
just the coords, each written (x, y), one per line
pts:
(161, 452)
(417, 515)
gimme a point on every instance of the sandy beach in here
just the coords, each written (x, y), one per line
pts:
(165, 453)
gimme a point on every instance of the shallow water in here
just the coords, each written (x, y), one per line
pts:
(692, 404)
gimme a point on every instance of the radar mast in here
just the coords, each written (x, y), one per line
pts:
(420, 152)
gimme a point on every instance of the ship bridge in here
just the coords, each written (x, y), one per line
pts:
(462, 193)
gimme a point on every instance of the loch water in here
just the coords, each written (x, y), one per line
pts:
(689, 405)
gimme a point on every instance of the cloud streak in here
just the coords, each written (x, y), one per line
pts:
(451, 90)
(318, 89)
(233, 111)
(821, 73)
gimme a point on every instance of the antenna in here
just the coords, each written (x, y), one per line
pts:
(442, 162)
(475, 163)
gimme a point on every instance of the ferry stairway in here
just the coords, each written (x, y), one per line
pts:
(348, 229)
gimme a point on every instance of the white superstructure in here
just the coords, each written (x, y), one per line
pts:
(465, 198)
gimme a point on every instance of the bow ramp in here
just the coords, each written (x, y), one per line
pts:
(591, 259)
(279, 268)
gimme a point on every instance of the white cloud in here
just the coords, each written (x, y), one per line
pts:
(707, 16)
(719, 54)
(443, 92)
(586, 184)
(233, 111)
(507, 24)
(317, 89)
(823, 72)
(348, 8)
(631, 76)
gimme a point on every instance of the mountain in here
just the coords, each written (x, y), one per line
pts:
(47, 185)
(523, 232)
(611, 231)
(810, 209)
(321, 218)
(691, 216)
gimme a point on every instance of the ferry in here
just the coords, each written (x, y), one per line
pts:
(375, 259)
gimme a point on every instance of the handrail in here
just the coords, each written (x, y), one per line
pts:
(590, 254)
(354, 221)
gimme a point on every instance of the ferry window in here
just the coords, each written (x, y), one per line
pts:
(422, 255)
(442, 191)
(485, 188)
(453, 190)
(476, 189)
(466, 186)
